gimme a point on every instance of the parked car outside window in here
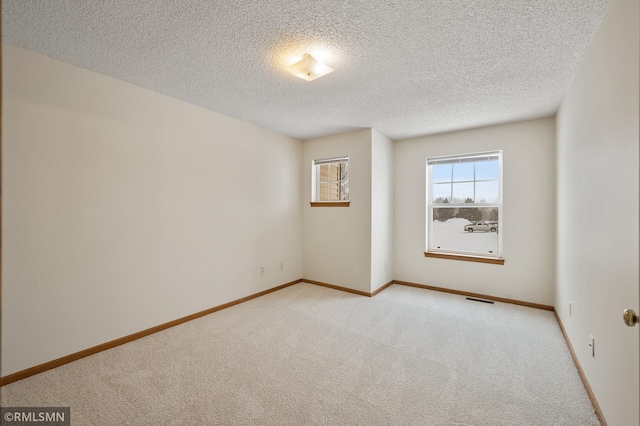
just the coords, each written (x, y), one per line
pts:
(482, 225)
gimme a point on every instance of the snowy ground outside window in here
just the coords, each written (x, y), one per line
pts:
(450, 235)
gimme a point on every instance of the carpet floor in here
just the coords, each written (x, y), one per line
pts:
(311, 355)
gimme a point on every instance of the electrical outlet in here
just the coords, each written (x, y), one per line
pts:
(281, 266)
(262, 270)
(593, 346)
(570, 313)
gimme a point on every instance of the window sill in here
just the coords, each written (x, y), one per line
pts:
(329, 204)
(468, 258)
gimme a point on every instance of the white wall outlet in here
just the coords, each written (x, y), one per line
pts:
(592, 343)
(570, 308)
(262, 270)
(281, 266)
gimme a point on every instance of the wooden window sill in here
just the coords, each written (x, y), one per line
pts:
(468, 258)
(329, 204)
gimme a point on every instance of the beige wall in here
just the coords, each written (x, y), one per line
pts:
(528, 212)
(336, 242)
(124, 209)
(598, 173)
(381, 210)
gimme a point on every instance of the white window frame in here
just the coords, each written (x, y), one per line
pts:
(430, 204)
(315, 178)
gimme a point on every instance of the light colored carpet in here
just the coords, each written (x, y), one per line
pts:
(312, 355)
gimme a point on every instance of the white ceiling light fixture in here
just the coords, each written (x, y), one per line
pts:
(309, 68)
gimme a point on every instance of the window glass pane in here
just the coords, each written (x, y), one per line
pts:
(442, 192)
(324, 173)
(462, 192)
(462, 171)
(472, 230)
(487, 170)
(344, 171)
(324, 192)
(487, 192)
(441, 172)
(344, 190)
(334, 191)
(334, 172)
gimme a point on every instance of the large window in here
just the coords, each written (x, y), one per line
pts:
(464, 205)
(330, 181)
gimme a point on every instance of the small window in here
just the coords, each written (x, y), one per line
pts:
(330, 179)
(464, 205)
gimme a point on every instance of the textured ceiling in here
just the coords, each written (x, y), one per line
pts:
(403, 67)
